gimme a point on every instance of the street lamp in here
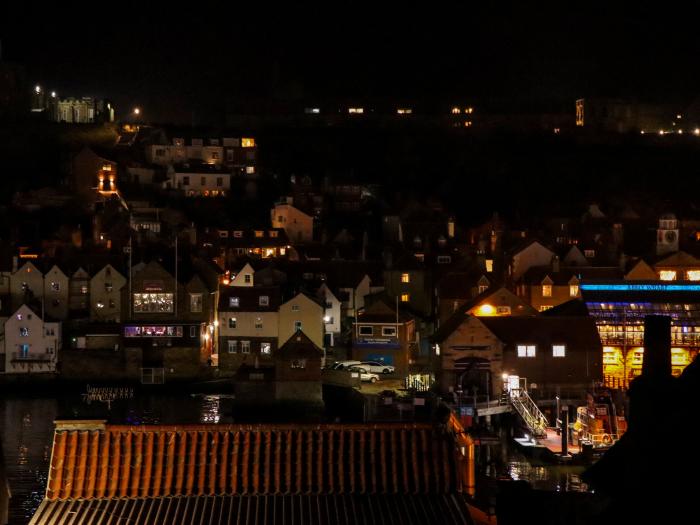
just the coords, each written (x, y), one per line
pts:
(137, 111)
(37, 89)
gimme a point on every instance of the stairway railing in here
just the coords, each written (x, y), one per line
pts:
(529, 412)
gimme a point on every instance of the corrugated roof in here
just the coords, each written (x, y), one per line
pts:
(120, 461)
(346, 509)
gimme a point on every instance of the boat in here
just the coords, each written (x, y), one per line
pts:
(598, 426)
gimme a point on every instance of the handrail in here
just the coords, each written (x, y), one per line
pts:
(529, 412)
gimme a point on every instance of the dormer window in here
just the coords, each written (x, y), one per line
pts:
(247, 278)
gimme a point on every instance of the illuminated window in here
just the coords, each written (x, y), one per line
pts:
(247, 143)
(405, 297)
(264, 300)
(266, 348)
(693, 275)
(232, 346)
(558, 351)
(153, 302)
(232, 322)
(667, 275)
(258, 322)
(356, 111)
(55, 287)
(24, 332)
(456, 111)
(250, 170)
(489, 265)
(589, 254)
(545, 307)
(503, 310)
(573, 290)
(404, 111)
(483, 288)
(273, 234)
(546, 290)
(259, 233)
(366, 330)
(234, 302)
(405, 278)
(527, 350)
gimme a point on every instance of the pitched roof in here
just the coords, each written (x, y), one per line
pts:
(298, 346)
(579, 333)
(119, 461)
(678, 259)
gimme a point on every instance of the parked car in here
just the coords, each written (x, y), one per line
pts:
(365, 375)
(378, 368)
(344, 365)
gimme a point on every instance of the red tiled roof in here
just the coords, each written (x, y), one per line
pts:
(119, 461)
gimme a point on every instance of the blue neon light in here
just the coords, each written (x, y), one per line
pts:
(641, 287)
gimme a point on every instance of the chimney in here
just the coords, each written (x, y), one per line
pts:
(555, 264)
(657, 346)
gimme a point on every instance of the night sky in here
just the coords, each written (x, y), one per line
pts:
(173, 60)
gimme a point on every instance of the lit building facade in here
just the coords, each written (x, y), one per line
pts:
(619, 309)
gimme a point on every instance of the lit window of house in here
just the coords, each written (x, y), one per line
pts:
(356, 111)
(545, 307)
(693, 275)
(258, 322)
(489, 265)
(405, 297)
(456, 111)
(153, 302)
(273, 234)
(667, 275)
(234, 302)
(266, 348)
(558, 351)
(589, 254)
(55, 287)
(526, 350)
(546, 290)
(259, 233)
(483, 288)
(573, 290)
(503, 310)
(405, 278)
(247, 143)
(24, 332)
(232, 322)
(250, 170)
(264, 300)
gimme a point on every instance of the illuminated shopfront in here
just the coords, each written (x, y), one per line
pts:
(619, 310)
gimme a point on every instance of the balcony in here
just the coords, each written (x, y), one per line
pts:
(33, 358)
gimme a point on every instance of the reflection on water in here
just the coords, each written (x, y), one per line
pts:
(505, 460)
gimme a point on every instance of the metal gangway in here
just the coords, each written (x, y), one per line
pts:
(533, 417)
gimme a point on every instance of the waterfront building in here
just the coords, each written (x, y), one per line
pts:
(31, 345)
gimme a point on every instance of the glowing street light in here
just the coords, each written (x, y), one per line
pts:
(37, 89)
(53, 94)
(137, 111)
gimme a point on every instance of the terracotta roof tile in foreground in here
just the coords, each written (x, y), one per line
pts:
(107, 463)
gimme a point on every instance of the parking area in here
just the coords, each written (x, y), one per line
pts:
(383, 384)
